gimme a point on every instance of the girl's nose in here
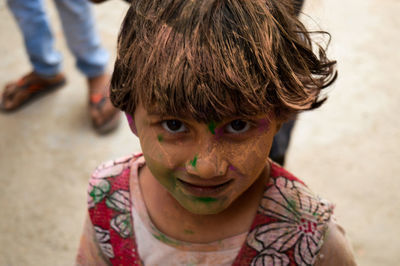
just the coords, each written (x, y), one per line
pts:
(207, 167)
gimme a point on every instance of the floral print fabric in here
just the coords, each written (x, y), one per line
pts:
(290, 225)
(288, 228)
(110, 211)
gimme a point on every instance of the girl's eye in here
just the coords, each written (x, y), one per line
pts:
(173, 126)
(238, 126)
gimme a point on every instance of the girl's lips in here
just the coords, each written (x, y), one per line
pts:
(201, 190)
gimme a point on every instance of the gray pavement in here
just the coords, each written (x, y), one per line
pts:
(348, 151)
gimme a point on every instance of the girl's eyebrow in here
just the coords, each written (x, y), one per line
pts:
(161, 114)
(156, 112)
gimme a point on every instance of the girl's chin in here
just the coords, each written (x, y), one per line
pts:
(203, 206)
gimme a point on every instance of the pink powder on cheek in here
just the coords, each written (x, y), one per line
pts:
(263, 125)
(129, 117)
(131, 123)
(219, 132)
(181, 169)
(235, 170)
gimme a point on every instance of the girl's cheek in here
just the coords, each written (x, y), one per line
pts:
(264, 125)
(251, 155)
(262, 147)
(151, 145)
(161, 152)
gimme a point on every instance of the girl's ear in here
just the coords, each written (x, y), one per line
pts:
(131, 123)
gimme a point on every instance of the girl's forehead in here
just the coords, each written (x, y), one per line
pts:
(204, 112)
(188, 116)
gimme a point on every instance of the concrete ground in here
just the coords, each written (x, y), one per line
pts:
(348, 151)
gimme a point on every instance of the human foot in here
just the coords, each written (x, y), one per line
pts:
(29, 87)
(105, 117)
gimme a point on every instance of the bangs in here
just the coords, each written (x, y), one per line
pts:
(187, 81)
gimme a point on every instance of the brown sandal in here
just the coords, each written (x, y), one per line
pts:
(29, 87)
(105, 117)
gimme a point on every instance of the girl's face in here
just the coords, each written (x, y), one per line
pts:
(205, 167)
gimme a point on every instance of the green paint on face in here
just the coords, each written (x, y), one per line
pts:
(189, 232)
(160, 137)
(171, 181)
(194, 161)
(211, 126)
(205, 199)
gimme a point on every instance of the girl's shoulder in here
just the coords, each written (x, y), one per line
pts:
(110, 177)
(113, 168)
(287, 198)
(290, 224)
(109, 207)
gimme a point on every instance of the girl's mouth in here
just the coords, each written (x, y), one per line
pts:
(203, 190)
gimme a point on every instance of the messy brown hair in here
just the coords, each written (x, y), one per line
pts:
(212, 59)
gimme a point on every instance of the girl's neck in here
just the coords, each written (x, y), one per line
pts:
(173, 220)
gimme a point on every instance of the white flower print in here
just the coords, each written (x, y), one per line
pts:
(270, 257)
(122, 224)
(103, 237)
(300, 223)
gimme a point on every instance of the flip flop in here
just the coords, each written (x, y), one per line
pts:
(98, 102)
(28, 88)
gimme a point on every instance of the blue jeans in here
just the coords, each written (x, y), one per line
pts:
(79, 30)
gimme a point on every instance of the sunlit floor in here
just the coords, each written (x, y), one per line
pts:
(348, 151)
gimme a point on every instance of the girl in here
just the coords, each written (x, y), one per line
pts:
(205, 86)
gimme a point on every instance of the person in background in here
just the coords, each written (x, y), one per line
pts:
(46, 75)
